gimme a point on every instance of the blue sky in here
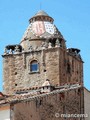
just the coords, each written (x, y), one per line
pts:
(72, 17)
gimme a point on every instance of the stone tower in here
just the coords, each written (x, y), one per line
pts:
(41, 55)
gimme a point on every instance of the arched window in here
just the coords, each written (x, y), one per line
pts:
(34, 66)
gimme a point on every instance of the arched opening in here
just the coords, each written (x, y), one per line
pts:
(34, 66)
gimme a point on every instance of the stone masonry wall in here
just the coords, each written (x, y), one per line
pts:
(49, 106)
(55, 64)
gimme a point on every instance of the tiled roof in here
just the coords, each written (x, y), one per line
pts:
(40, 13)
(33, 94)
(30, 35)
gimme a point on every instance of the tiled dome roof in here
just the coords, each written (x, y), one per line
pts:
(41, 27)
(41, 12)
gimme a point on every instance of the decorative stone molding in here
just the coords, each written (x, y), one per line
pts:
(30, 48)
(10, 52)
(57, 44)
(5, 51)
(44, 45)
(49, 45)
(17, 50)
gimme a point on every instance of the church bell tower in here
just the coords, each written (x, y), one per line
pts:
(42, 54)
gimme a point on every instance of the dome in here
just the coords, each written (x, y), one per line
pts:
(43, 14)
(41, 28)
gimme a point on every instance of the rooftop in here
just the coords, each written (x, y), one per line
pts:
(41, 12)
(33, 94)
